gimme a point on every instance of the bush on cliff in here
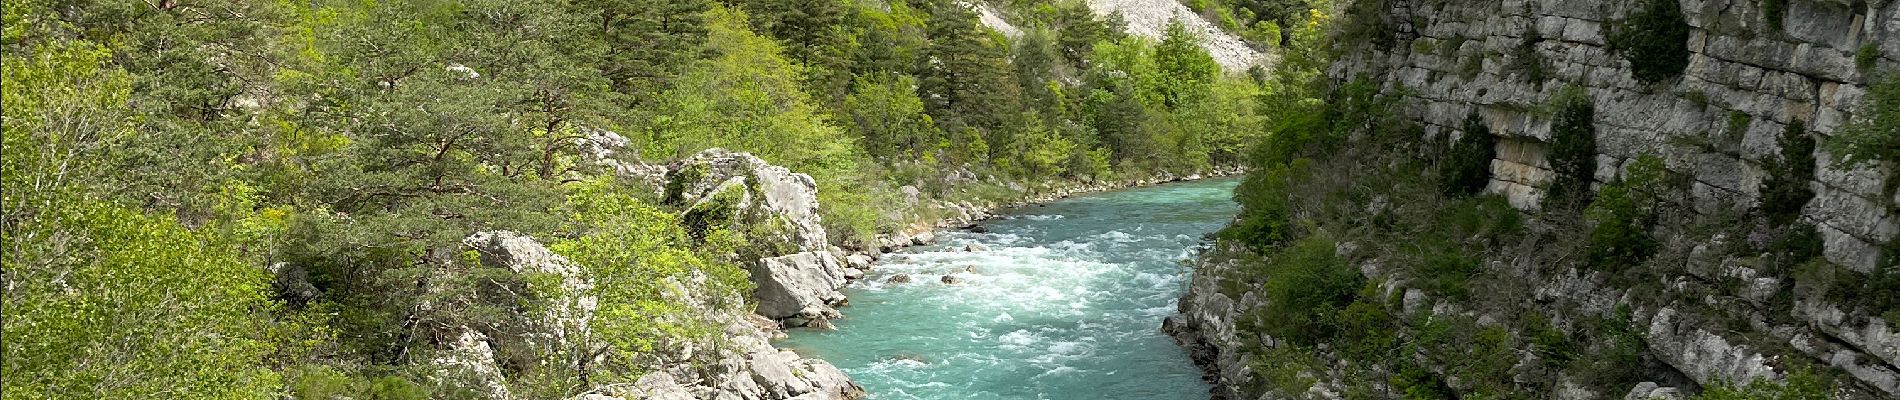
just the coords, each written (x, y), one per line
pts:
(1655, 40)
(1622, 214)
(1306, 287)
(1573, 147)
(1785, 191)
(1466, 169)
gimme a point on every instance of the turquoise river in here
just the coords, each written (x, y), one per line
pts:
(1066, 302)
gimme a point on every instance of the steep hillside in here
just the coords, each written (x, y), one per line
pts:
(1150, 18)
(1568, 199)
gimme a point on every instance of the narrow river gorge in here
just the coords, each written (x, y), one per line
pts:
(1058, 301)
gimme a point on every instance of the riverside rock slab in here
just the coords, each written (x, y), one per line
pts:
(803, 285)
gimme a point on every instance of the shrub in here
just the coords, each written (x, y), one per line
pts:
(1867, 57)
(1573, 153)
(1801, 384)
(1265, 217)
(1620, 237)
(1773, 12)
(1367, 21)
(1618, 354)
(1471, 66)
(1874, 135)
(1528, 61)
(1307, 285)
(1785, 191)
(1448, 272)
(1795, 245)
(1655, 39)
(1622, 214)
(1467, 167)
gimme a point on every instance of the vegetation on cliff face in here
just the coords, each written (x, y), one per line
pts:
(1381, 271)
(160, 155)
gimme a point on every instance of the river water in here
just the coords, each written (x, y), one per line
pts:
(1066, 303)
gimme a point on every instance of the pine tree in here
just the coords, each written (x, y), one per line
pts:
(965, 73)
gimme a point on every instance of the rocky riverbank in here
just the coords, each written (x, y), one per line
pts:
(798, 276)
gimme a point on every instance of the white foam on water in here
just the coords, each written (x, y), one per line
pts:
(1053, 305)
(1018, 338)
(1118, 236)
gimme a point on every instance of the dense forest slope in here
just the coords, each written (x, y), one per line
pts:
(1566, 199)
(533, 199)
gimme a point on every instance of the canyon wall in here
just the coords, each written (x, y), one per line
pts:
(1715, 316)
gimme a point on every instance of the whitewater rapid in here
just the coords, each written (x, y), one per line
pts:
(1061, 301)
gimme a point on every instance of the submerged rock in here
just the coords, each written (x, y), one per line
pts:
(951, 280)
(975, 247)
(899, 278)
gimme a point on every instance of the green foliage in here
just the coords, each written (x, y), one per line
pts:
(646, 41)
(1795, 244)
(1573, 148)
(1655, 40)
(1186, 73)
(886, 112)
(1615, 358)
(1266, 212)
(1785, 191)
(1774, 12)
(1078, 29)
(1874, 134)
(1622, 214)
(966, 79)
(1484, 354)
(635, 254)
(1526, 60)
(1306, 287)
(1801, 384)
(324, 383)
(1466, 168)
(363, 141)
(1867, 57)
(746, 98)
(1368, 21)
(104, 299)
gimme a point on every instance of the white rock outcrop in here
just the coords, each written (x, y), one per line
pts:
(789, 197)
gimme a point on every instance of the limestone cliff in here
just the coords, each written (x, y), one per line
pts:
(1716, 315)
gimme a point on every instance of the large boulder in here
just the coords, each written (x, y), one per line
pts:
(803, 285)
(715, 177)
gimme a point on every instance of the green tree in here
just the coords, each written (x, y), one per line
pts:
(103, 299)
(1573, 148)
(1466, 169)
(1655, 40)
(647, 41)
(964, 75)
(1187, 73)
(886, 112)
